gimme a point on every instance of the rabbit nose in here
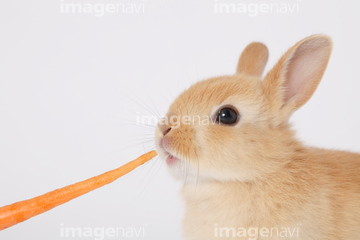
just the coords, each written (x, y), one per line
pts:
(166, 131)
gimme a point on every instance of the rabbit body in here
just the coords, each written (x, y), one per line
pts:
(315, 197)
(246, 176)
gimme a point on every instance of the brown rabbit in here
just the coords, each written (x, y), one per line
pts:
(245, 174)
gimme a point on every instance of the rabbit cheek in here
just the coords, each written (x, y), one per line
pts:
(182, 140)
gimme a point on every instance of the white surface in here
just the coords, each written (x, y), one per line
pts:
(68, 82)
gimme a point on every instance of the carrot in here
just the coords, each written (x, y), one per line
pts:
(18, 212)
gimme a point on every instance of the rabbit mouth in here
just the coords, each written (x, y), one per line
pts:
(177, 166)
(170, 159)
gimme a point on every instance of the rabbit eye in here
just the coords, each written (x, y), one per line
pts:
(227, 116)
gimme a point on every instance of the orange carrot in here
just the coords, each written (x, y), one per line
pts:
(18, 212)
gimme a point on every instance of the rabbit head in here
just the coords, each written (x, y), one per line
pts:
(235, 128)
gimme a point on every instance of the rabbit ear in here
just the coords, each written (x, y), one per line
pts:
(253, 59)
(296, 76)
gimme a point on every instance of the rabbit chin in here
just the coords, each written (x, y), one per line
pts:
(189, 174)
(182, 170)
(189, 171)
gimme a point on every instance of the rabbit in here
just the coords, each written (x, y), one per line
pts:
(245, 174)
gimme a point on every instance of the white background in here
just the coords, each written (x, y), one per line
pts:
(71, 86)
